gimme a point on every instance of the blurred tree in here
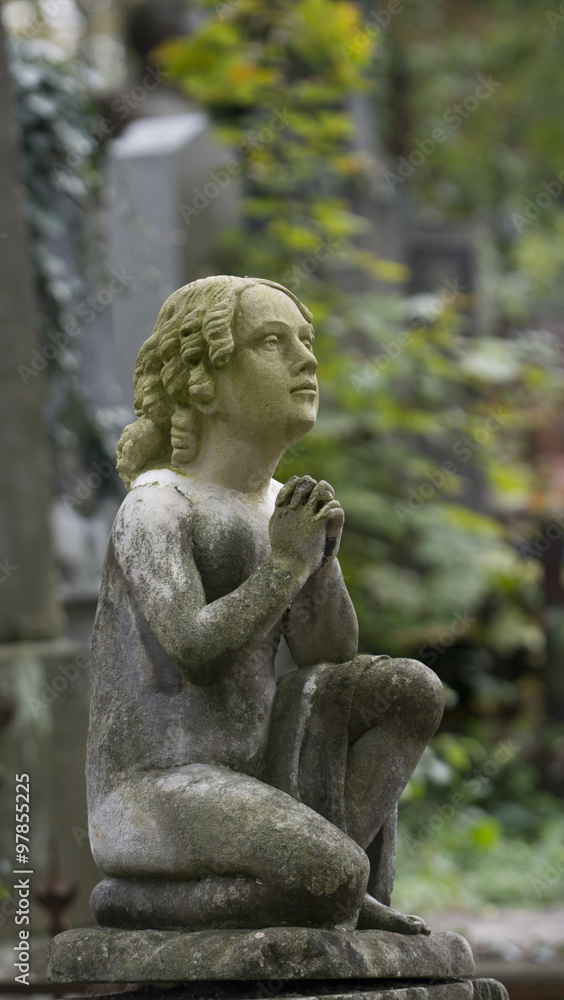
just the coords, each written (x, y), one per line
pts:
(424, 431)
(60, 160)
(499, 158)
(500, 144)
(29, 609)
(296, 156)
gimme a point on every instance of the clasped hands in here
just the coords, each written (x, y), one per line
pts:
(307, 522)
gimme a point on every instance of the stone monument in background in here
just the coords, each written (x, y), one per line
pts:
(41, 734)
(244, 826)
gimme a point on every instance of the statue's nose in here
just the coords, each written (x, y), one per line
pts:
(306, 361)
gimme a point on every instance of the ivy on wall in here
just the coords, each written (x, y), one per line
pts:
(61, 169)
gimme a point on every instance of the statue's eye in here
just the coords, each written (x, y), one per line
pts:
(271, 342)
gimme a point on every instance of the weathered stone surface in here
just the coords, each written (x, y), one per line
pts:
(441, 991)
(435, 991)
(200, 767)
(105, 955)
(489, 989)
(483, 989)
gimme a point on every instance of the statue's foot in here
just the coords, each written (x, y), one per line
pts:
(376, 916)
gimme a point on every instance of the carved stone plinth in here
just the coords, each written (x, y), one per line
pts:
(475, 989)
(310, 962)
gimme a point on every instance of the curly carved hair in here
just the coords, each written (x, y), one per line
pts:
(174, 371)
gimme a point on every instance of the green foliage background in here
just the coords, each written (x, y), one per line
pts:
(438, 557)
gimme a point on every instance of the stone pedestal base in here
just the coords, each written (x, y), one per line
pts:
(277, 962)
(476, 989)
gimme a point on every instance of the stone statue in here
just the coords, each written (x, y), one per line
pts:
(217, 797)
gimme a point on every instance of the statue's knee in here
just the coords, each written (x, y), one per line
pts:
(358, 869)
(349, 877)
(397, 692)
(336, 862)
(419, 694)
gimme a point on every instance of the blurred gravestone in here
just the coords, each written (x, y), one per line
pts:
(380, 207)
(170, 198)
(443, 261)
(43, 677)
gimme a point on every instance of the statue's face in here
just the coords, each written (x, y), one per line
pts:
(269, 386)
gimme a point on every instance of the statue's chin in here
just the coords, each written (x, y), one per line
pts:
(299, 429)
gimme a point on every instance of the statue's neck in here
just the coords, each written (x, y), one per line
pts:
(234, 464)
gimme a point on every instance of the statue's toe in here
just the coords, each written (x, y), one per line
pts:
(375, 916)
(417, 923)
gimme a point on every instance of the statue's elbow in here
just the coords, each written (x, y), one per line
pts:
(348, 653)
(347, 642)
(342, 653)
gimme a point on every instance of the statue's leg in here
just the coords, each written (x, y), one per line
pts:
(345, 739)
(382, 856)
(203, 821)
(396, 709)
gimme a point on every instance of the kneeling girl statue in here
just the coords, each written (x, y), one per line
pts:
(217, 797)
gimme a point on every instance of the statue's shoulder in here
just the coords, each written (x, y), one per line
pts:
(166, 482)
(157, 499)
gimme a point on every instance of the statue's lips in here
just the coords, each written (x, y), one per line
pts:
(307, 387)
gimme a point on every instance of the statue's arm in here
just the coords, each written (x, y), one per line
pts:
(321, 624)
(152, 540)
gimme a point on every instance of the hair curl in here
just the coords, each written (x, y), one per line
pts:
(174, 372)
